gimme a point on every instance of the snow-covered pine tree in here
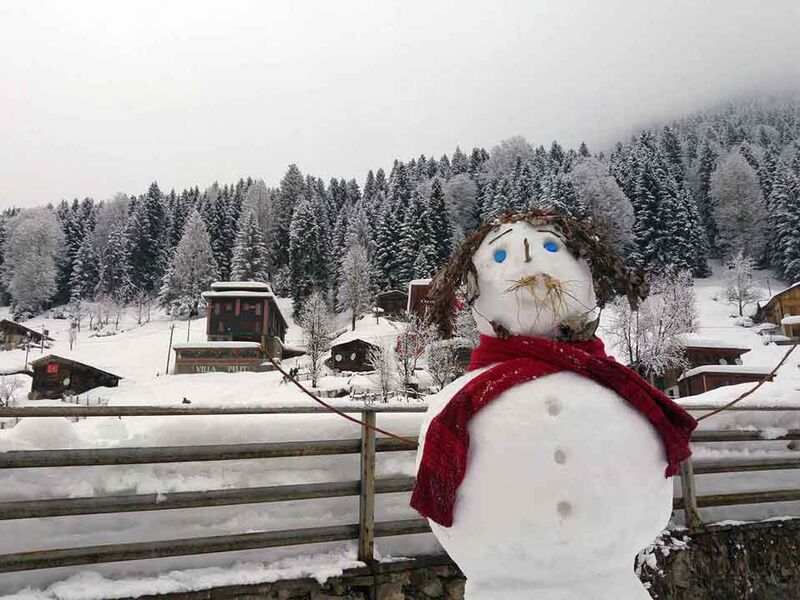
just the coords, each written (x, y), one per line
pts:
(250, 260)
(114, 278)
(705, 202)
(291, 191)
(307, 262)
(353, 292)
(438, 225)
(85, 270)
(739, 211)
(785, 207)
(388, 236)
(191, 271)
(459, 163)
(415, 237)
(148, 231)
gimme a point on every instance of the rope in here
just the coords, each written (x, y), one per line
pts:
(330, 407)
(754, 388)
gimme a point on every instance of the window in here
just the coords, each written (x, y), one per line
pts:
(338, 358)
(723, 361)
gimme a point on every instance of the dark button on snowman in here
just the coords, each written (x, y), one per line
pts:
(547, 488)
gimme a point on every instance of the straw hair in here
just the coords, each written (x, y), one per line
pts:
(610, 276)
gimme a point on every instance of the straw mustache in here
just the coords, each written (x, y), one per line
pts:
(547, 292)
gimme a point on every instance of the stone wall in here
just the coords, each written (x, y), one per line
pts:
(757, 561)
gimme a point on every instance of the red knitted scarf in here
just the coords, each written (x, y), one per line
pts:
(520, 359)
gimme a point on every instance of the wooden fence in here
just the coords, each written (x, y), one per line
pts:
(366, 487)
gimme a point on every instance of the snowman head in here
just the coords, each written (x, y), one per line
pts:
(538, 273)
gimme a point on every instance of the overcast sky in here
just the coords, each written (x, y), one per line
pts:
(97, 97)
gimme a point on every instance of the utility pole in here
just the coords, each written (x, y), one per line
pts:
(169, 350)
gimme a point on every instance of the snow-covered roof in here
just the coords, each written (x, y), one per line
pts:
(369, 331)
(695, 341)
(791, 320)
(60, 359)
(241, 285)
(762, 327)
(238, 294)
(726, 369)
(776, 294)
(203, 345)
(419, 282)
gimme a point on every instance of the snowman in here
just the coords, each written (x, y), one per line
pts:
(546, 468)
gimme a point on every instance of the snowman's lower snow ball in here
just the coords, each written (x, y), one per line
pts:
(546, 468)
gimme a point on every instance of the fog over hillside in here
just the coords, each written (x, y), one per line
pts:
(100, 98)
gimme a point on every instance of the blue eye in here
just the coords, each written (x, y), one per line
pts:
(499, 255)
(551, 246)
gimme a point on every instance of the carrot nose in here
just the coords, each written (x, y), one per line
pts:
(527, 251)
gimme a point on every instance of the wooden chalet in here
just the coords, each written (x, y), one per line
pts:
(245, 311)
(56, 377)
(710, 377)
(780, 309)
(700, 352)
(14, 335)
(392, 303)
(418, 296)
(351, 355)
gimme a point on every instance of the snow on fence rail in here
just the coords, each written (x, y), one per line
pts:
(365, 488)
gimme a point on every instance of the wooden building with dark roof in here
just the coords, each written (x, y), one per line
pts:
(55, 377)
(14, 335)
(245, 311)
(392, 303)
(780, 309)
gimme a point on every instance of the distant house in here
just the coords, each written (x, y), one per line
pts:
(56, 377)
(418, 296)
(351, 355)
(780, 308)
(700, 352)
(710, 377)
(392, 303)
(245, 311)
(13, 335)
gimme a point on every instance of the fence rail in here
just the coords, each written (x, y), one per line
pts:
(365, 488)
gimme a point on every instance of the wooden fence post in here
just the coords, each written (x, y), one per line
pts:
(689, 493)
(366, 505)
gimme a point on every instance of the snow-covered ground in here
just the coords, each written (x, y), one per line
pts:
(139, 355)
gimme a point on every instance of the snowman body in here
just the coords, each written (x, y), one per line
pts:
(565, 484)
(565, 480)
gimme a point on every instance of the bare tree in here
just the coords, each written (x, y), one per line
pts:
(382, 361)
(442, 359)
(316, 323)
(9, 384)
(652, 336)
(415, 335)
(740, 286)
